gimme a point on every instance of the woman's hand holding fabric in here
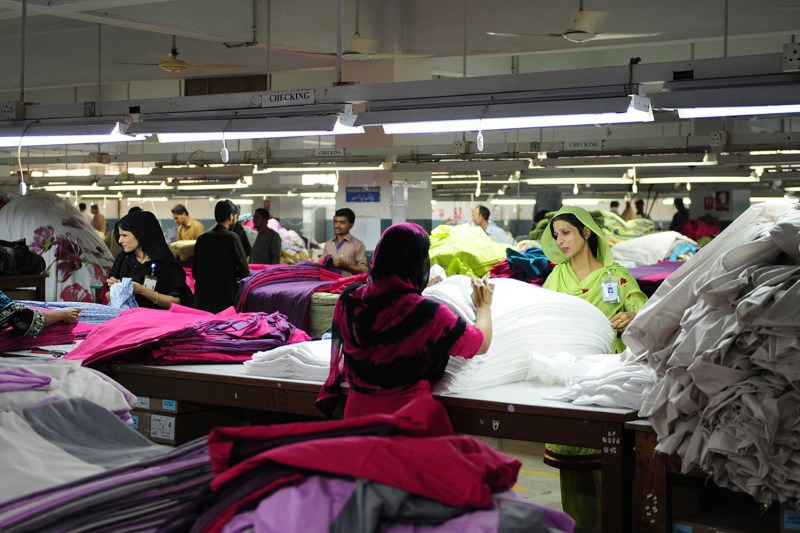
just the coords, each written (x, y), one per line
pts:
(621, 320)
(482, 292)
(111, 280)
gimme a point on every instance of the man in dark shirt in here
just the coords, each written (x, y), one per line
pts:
(267, 248)
(218, 262)
(681, 217)
(238, 229)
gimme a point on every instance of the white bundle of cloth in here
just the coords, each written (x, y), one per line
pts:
(606, 381)
(722, 334)
(648, 249)
(526, 319)
(309, 360)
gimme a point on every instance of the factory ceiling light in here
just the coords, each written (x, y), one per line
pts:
(520, 110)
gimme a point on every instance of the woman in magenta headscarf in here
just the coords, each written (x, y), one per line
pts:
(391, 343)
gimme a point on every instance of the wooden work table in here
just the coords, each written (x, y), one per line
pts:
(514, 411)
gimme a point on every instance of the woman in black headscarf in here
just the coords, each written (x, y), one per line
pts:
(390, 343)
(145, 255)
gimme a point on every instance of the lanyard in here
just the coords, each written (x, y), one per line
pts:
(340, 244)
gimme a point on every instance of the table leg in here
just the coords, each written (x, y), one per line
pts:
(650, 511)
(617, 474)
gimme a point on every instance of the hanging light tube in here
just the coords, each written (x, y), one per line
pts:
(633, 108)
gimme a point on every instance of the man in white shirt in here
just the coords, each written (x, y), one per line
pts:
(480, 217)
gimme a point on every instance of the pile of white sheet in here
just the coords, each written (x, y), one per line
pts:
(303, 360)
(600, 380)
(722, 336)
(526, 319)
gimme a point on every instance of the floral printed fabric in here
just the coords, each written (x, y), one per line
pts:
(74, 255)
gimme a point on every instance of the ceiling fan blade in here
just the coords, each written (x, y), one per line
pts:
(507, 34)
(213, 65)
(356, 56)
(609, 36)
(134, 63)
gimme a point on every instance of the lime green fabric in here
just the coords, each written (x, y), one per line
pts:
(563, 278)
(465, 249)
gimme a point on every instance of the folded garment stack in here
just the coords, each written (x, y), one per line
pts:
(419, 475)
(309, 360)
(526, 319)
(184, 336)
(722, 335)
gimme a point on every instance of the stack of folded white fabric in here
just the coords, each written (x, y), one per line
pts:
(303, 360)
(525, 319)
(600, 380)
(722, 335)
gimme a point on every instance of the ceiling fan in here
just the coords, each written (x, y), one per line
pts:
(584, 28)
(360, 48)
(171, 63)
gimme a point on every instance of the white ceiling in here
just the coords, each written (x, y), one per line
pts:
(64, 37)
(74, 46)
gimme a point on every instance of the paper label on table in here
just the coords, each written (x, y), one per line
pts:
(681, 528)
(169, 405)
(143, 402)
(135, 421)
(162, 427)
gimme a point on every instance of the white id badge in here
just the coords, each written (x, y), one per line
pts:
(150, 282)
(610, 287)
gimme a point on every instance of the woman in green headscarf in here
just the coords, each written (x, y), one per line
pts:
(585, 268)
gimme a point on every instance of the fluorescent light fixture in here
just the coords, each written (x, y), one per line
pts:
(778, 199)
(321, 167)
(102, 196)
(76, 187)
(243, 201)
(212, 186)
(47, 134)
(252, 123)
(697, 179)
(318, 194)
(487, 117)
(738, 111)
(307, 202)
(671, 201)
(727, 97)
(61, 173)
(513, 201)
(266, 195)
(338, 129)
(139, 187)
(655, 160)
(147, 199)
(469, 182)
(581, 201)
(792, 189)
(210, 171)
(138, 171)
(597, 180)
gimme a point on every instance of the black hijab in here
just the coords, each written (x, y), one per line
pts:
(145, 227)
